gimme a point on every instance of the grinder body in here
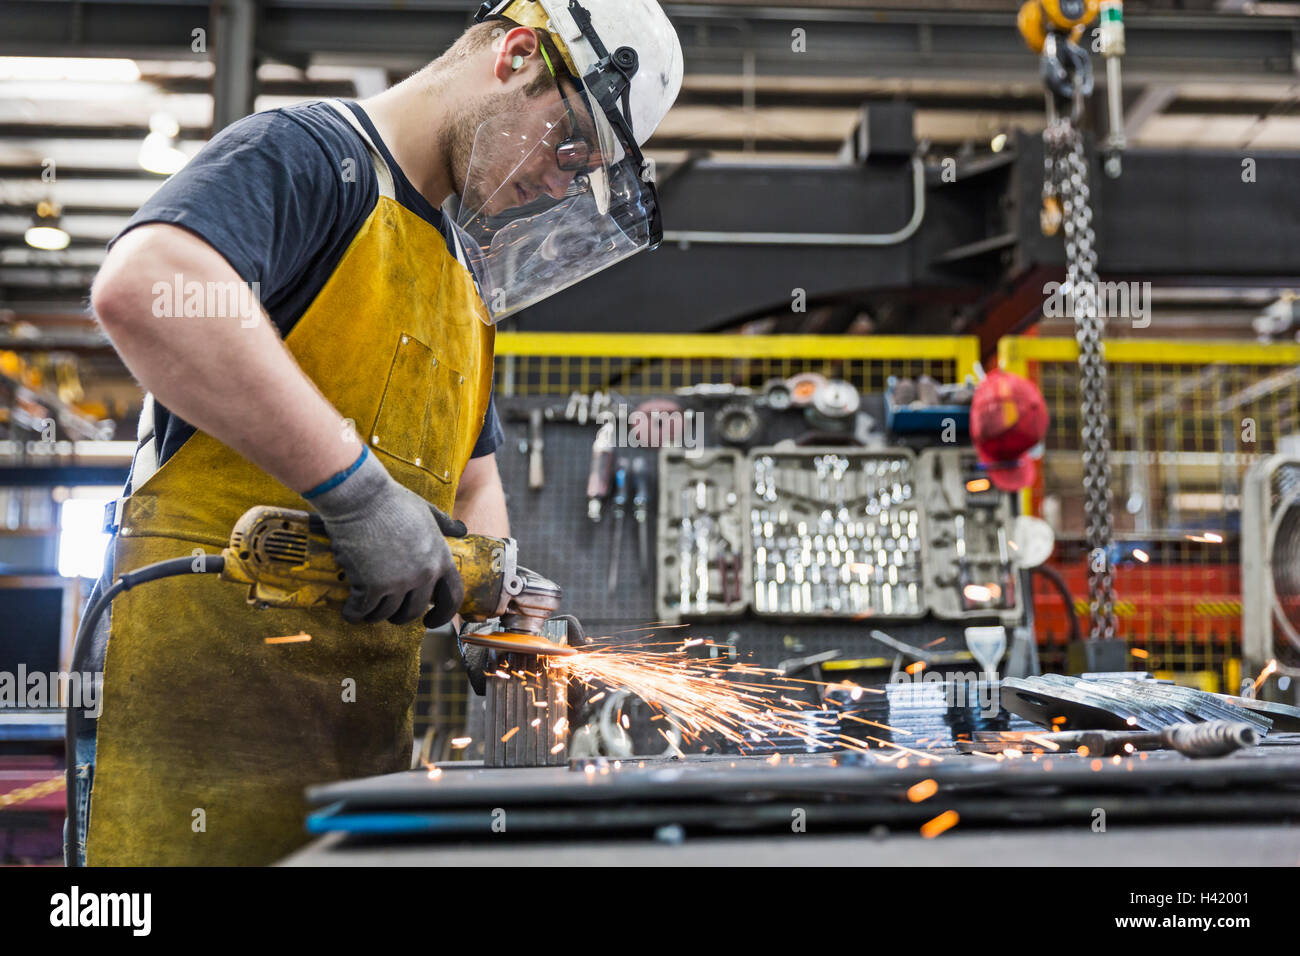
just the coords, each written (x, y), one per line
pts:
(284, 557)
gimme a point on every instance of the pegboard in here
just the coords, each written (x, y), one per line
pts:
(557, 540)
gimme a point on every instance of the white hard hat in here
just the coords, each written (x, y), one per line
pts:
(637, 25)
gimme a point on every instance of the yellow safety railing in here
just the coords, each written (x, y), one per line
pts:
(532, 363)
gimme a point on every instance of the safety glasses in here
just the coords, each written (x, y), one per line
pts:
(574, 153)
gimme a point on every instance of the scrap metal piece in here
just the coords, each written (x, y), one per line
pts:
(1286, 719)
(1214, 738)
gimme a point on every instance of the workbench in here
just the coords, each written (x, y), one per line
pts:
(1178, 845)
(1159, 808)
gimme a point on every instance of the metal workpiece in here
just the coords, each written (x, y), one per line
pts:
(527, 708)
(527, 714)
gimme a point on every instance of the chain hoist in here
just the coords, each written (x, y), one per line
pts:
(1052, 28)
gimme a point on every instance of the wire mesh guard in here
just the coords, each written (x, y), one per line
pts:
(1184, 432)
(558, 375)
(1286, 553)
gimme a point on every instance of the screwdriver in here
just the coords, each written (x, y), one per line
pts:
(640, 505)
(620, 507)
(602, 456)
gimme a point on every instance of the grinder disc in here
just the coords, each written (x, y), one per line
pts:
(516, 643)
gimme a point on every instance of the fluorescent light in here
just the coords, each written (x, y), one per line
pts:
(158, 155)
(82, 540)
(47, 68)
(165, 124)
(48, 238)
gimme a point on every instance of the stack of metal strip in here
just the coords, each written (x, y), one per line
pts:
(924, 713)
(527, 710)
(810, 732)
(1124, 702)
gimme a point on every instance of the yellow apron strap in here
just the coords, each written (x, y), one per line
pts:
(376, 157)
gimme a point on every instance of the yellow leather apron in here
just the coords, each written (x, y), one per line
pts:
(209, 734)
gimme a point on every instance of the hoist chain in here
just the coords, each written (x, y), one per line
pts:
(1066, 180)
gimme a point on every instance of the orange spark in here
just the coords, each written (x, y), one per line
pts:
(288, 639)
(924, 790)
(944, 821)
(738, 702)
(1269, 669)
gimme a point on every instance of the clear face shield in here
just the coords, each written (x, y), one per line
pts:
(551, 197)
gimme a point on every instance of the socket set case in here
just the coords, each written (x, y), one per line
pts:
(835, 533)
(703, 561)
(968, 568)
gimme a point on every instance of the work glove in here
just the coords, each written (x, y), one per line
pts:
(474, 657)
(392, 544)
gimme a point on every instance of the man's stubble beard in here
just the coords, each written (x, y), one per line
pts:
(463, 135)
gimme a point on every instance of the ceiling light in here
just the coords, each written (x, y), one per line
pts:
(164, 124)
(45, 232)
(158, 154)
(47, 68)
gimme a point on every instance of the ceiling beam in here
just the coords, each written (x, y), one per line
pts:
(716, 37)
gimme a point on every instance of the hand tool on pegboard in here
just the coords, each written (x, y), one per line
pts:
(620, 512)
(602, 469)
(641, 512)
(576, 411)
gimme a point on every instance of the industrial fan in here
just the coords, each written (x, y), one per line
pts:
(1270, 565)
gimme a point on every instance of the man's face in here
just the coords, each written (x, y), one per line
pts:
(513, 160)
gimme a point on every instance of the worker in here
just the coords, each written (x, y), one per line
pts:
(357, 384)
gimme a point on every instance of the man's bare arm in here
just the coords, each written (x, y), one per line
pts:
(480, 499)
(231, 378)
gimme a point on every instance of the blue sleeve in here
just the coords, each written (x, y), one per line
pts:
(491, 436)
(266, 194)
